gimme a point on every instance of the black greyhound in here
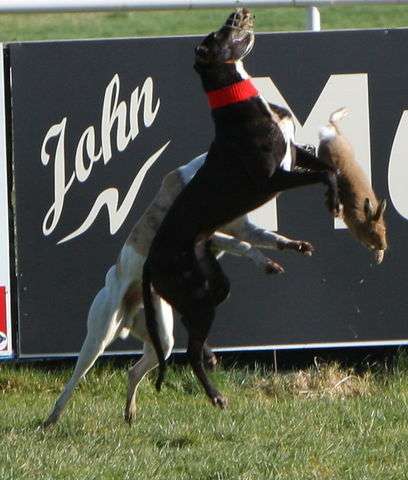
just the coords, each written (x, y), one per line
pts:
(245, 167)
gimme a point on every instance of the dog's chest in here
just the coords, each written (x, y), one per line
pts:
(286, 163)
(278, 128)
(288, 131)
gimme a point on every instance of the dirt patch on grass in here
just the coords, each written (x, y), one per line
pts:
(322, 381)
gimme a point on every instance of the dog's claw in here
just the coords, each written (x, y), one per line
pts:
(273, 267)
(306, 248)
(130, 414)
(129, 419)
(47, 424)
(220, 401)
(50, 422)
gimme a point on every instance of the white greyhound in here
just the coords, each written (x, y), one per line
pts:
(117, 309)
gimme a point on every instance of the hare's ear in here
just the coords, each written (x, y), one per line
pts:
(368, 209)
(380, 210)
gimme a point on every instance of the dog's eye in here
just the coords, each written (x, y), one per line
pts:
(201, 50)
(215, 38)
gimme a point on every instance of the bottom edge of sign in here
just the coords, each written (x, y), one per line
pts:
(253, 348)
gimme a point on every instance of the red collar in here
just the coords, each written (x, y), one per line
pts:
(237, 92)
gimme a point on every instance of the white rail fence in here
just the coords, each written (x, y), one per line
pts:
(38, 6)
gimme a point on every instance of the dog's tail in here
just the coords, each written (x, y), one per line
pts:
(151, 324)
(332, 129)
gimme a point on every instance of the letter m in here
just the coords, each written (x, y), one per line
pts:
(349, 90)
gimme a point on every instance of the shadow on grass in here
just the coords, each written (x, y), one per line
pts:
(177, 443)
(33, 426)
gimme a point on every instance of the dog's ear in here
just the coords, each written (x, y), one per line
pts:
(201, 53)
(202, 58)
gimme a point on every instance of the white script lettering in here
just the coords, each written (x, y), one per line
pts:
(87, 154)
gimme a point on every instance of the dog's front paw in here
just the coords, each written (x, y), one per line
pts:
(301, 246)
(273, 267)
(219, 401)
(306, 248)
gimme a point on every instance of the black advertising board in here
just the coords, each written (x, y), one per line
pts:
(89, 116)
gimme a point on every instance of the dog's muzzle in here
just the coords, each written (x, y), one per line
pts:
(241, 20)
(242, 37)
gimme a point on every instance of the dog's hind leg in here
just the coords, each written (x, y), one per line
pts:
(210, 359)
(194, 291)
(164, 315)
(199, 327)
(216, 280)
(102, 330)
(135, 376)
(215, 290)
(92, 348)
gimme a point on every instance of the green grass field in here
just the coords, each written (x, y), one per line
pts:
(128, 24)
(325, 423)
